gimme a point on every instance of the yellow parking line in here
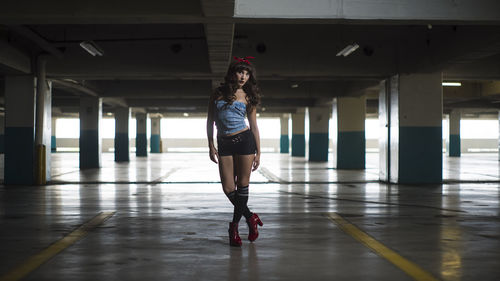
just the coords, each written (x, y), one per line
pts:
(37, 260)
(405, 265)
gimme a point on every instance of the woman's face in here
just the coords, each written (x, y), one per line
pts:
(242, 77)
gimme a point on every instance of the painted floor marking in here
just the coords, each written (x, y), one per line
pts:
(410, 268)
(37, 260)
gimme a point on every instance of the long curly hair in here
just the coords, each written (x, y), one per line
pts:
(228, 89)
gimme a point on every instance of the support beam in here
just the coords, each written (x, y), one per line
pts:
(220, 44)
(122, 149)
(2, 134)
(43, 122)
(319, 118)
(90, 139)
(219, 35)
(141, 139)
(13, 58)
(19, 130)
(75, 86)
(53, 139)
(384, 140)
(413, 104)
(99, 12)
(34, 37)
(349, 145)
(454, 147)
(155, 135)
(284, 137)
(298, 133)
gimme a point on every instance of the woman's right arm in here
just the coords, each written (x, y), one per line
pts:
(214, 156)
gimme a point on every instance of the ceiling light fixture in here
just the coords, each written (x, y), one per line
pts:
(348, 50)
(92, 48)
(452, 84)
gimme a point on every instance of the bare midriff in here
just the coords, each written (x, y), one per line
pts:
(235, 133)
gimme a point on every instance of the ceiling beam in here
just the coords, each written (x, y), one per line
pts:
(37, 39)
(219, 35)
(72, 85)
(13, 58)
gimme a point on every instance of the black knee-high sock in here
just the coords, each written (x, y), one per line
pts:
(232, 196)
(242, 200)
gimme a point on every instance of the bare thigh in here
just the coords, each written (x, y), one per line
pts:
(226, 172)
(243, 168)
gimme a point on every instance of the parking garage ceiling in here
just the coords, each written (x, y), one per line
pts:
(165, 56)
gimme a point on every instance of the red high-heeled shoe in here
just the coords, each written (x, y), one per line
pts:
(234, 237)
(252, 226)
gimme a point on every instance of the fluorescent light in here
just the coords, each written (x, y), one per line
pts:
(185, 114)
(92, 48)
(452, 84)
(348, 50)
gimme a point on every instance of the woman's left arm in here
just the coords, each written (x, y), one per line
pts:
(252, 120)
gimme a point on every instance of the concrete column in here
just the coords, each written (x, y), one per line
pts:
(414, 105)
(319, 118)
(384, 115)
(90, 139)
(2, 134)
(53, 140)
(141, 139)
(19, 162)
(298, 135)
(155, 135)
(454, 149)
(349, 145)
(284, 138)
(43, 122)
(122, 149)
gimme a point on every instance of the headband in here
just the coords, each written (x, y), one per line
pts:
(245, 59)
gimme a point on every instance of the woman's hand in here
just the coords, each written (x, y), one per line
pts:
(256, 162)
(214, 156)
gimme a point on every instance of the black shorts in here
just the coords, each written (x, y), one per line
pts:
(239, 144)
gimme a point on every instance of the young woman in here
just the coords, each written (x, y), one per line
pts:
(238, 146)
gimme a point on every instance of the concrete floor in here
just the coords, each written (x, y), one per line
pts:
(170, 221)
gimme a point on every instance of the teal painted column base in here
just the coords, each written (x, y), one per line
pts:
(89, 149)
(19, 155)
(122, 150)
(141, 145)
(2, 144)
(318, 147)
(420, 155)
(284, 144)
(155, 143)
(454, 147)
(298, 145)
(351, 150)
(53, 145)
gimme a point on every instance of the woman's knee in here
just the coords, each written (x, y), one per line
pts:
(243, 182)
(227, 188)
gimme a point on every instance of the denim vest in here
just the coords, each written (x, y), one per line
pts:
(229, 118)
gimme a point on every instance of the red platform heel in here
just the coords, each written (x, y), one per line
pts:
(252, 225)
(234, 237)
